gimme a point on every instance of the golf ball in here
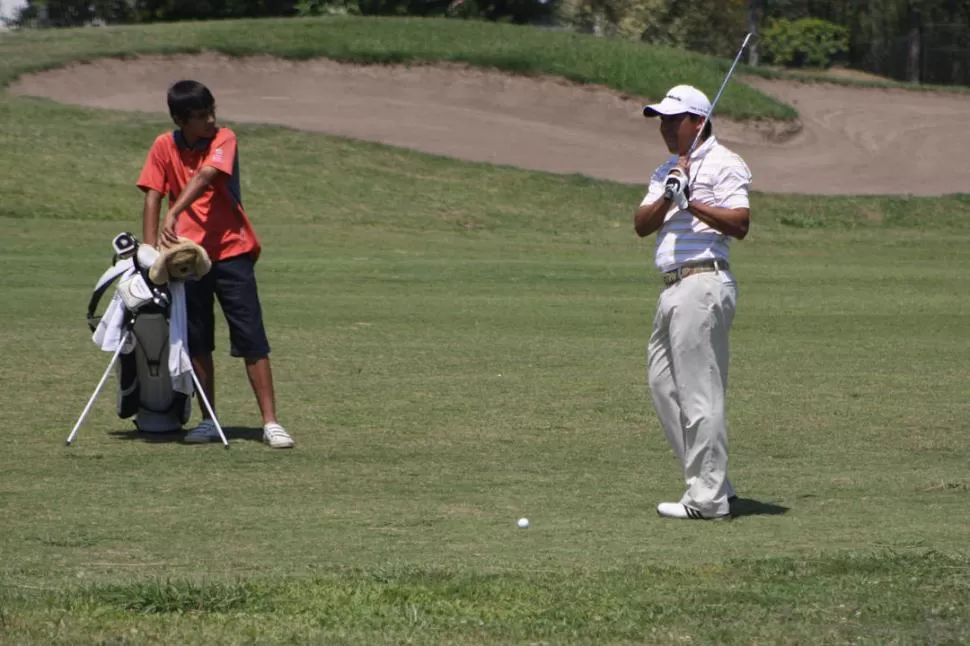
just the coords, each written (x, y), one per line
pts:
(523, 522)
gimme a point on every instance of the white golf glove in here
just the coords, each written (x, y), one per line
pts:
(676, 189)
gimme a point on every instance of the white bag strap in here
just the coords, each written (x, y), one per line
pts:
(108, 277)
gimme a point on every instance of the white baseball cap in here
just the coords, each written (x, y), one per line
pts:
(680, 99)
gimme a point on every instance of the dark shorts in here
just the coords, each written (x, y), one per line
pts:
(233, 282)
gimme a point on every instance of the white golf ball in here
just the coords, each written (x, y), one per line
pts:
(523, 522)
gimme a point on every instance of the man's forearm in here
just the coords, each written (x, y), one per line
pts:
(730, 222)
(650, 217)
(149, 217)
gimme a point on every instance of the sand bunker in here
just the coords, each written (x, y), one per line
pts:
(851, 140)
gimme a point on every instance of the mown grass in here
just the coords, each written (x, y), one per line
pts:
(640, 70)
(851, 598)
(456, 346)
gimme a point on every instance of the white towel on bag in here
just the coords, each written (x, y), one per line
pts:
(179, 362)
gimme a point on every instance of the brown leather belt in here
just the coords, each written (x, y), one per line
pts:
(676, 275)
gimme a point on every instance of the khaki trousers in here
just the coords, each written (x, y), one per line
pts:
(687, 370)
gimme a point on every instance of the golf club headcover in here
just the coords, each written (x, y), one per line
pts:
(146, 256)
(135, 292)
(179, 262)
(124, 245)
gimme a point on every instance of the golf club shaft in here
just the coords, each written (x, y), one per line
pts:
(718, 95)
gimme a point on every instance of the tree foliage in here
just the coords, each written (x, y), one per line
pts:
(806, 42)
(173, 10)
(68, 13)
(71, 13)
(710, 26)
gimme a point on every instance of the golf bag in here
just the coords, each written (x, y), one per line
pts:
(138, 318)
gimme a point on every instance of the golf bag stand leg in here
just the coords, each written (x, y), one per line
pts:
(208, 407)
(94, 395)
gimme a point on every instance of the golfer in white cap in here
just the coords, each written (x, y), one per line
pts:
(695, 206)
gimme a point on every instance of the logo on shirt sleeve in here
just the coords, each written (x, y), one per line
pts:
(217, 155)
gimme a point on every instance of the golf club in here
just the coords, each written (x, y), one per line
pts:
(668, 193)
(718, 95)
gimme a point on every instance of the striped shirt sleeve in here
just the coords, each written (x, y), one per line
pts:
(656, 186)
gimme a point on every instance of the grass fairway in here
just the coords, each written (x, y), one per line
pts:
(456, 346)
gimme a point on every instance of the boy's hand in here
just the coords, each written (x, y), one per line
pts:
(169, 236)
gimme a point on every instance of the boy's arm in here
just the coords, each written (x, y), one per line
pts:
(149, 217)
(153, 181)
(220, 160)
(193, 190)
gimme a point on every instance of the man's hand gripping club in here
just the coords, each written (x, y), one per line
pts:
(677, 184)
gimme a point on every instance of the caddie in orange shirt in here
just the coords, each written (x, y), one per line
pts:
(197, 168)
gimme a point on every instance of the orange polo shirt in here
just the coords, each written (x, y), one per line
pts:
(216, 220)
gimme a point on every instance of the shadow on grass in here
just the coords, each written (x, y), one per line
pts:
(751, 507)
(248, 433)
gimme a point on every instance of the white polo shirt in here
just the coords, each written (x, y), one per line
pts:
(718, 177)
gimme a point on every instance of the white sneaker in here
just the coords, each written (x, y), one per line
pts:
(276, 436)
(205, 432)
(677, 510)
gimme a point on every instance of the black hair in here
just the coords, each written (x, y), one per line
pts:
(185, 97)
(708, 126)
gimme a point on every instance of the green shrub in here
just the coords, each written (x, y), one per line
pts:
(808, 42)
(327, 7)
